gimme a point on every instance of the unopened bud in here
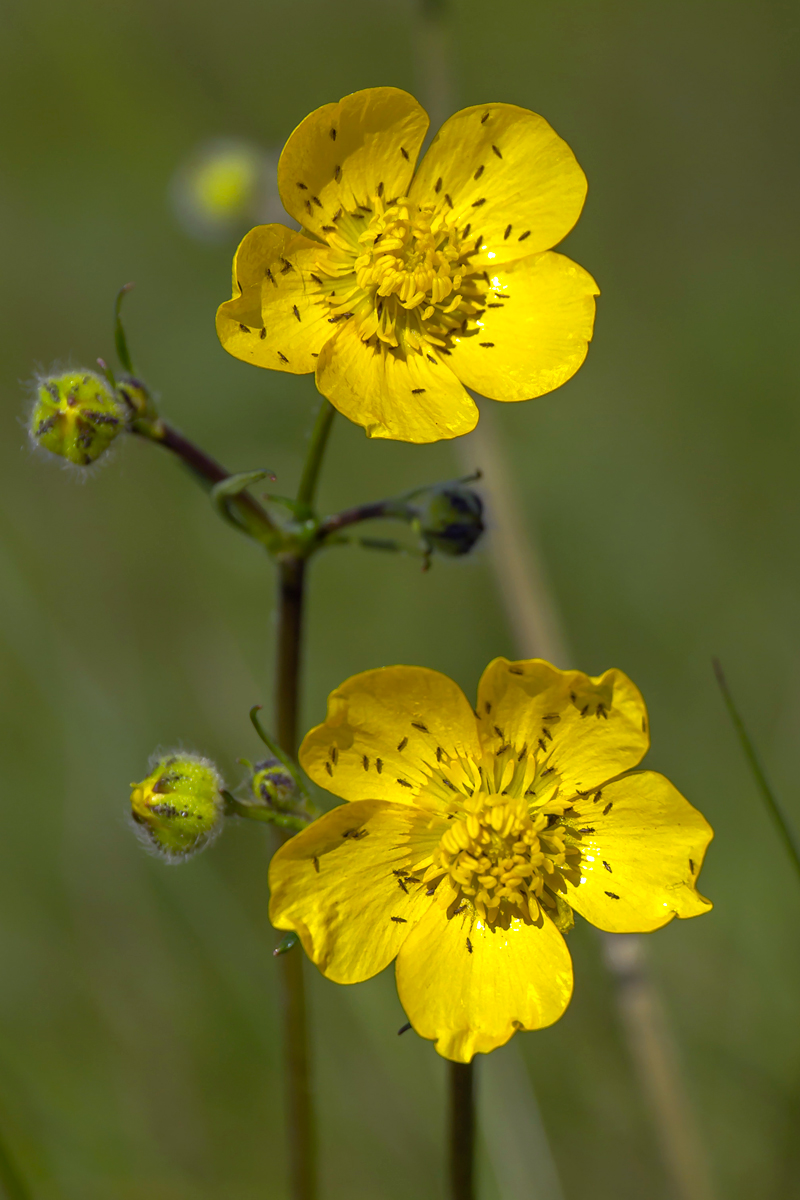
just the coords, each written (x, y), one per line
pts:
(274, 786)
(450, 518)
(179, 807)
(76, 416)
(135, 395)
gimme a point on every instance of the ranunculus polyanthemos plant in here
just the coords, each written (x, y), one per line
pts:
(402, 288)
(469, 839)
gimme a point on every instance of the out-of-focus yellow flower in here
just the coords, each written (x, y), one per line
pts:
(471, 838)
(404, 289)
(222, 187)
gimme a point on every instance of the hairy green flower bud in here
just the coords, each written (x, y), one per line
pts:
(273, 785)
(450, 518)
(76, 416)
(179, 808)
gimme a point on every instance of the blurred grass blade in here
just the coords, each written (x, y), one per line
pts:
(788, 836)
(120, 340)
(12, 1186)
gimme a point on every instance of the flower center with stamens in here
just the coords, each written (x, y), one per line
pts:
(502, 860)
(405, 277)
(410, 254)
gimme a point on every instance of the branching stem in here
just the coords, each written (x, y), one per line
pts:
(255, 519)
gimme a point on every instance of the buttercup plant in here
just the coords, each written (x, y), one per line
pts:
(469, 838)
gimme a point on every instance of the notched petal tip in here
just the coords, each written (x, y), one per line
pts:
(343, 151)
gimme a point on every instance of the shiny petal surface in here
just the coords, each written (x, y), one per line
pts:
(338, 885)
(470, 988)
(583, 730)
(504, 170)
(406, 395)
(383, 726)
(240, 321)
(295, 315)
(340, 154)
(535, 330)
(639, 864)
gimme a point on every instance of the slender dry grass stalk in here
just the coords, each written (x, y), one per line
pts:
(538, 631)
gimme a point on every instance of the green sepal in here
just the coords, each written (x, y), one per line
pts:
(290, 764)
(120, 340)
(563, 918)
(287, 943)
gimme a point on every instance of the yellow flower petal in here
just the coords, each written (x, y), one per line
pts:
(586, 729)
(508, 174)
(535, 330)
(639, 867)
(470, 988)
(296, 316)
(406, 395)
(240, 322)
(341, 153)
(338, 885)
(381, 727)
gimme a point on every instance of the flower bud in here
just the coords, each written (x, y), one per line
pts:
(135, 395)
(450, 518)
(179, 808)
(76, 416)
(273, 785)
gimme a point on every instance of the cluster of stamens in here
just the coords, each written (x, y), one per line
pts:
(503, 859)
(405, 278)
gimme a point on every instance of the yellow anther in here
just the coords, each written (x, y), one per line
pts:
(495, 859)
(497, 818)
(473, 826)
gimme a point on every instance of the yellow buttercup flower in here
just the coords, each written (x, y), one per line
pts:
(471, 837)
(404, 289)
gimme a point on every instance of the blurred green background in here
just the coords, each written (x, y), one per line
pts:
(138, 1025)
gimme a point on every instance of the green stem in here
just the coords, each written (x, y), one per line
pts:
(316, 450)
(299, 1111)
(787, 834)
(291, 594)
(461, 1080)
